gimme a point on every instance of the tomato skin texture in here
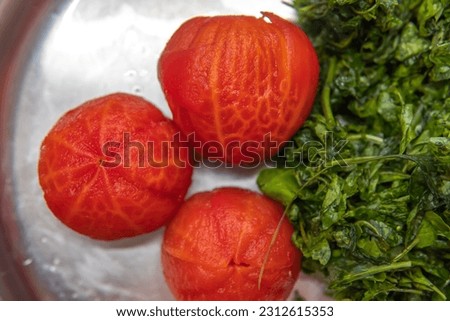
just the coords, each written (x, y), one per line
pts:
(235, 79)
(109, 192)
(214, 247)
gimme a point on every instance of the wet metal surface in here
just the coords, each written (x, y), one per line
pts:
(54, 55)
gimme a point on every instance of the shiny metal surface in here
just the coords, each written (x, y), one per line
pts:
(53, 56)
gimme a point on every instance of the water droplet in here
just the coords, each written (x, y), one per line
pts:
(44, 240)
(52, 268)
(27, 262)
(130, 74)
(56, 261)
(137, 89)
(143, 73)
(145, 50)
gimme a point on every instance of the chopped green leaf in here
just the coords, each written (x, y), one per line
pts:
(368, 183)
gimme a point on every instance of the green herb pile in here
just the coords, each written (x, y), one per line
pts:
(367, 182)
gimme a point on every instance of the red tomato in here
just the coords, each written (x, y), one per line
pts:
(239, 86)
(105, 171)
(215, 246)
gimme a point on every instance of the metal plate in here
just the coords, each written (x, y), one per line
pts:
(54, 55)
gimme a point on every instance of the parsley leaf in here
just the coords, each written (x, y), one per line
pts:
(366, 183)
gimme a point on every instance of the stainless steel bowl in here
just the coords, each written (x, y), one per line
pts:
(53, 56)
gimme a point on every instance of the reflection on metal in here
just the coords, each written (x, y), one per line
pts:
(53, 56)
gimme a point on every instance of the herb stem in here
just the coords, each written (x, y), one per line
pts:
(326, 92)
(364, 159)
(430, 287)
(288, 3)
(369, 226)
(362, 12)
(272, 242)
(347, 162)
(371, 138)
(375, 270)
(406, 250)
